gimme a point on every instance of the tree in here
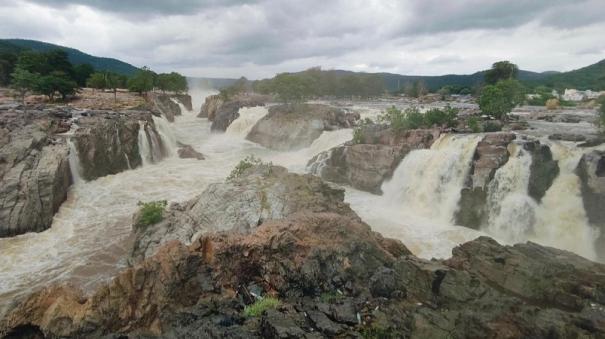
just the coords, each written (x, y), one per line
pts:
(501, 70)
(55, 82)
(142, 81)
(23, 81)
(514, 90)
(494, 102)
(96, 81)
(82, 73)
(7, 67)
(291, 88)
(173, 82)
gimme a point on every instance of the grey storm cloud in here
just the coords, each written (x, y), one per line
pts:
(259, 37)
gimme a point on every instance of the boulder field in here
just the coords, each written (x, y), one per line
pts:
(331, 276)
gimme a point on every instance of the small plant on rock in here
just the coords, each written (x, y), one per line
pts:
(259, 306)
(473, 124)
(151, 212)
(243, 165)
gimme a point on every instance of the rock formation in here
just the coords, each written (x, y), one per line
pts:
(259, 194)
(211, 104)
(107, 142)
(296, 126)
(334, 277)
(34, 170)
(188, 152)
(162, 104)
(225, 112)
(591, 170)
(366, 165)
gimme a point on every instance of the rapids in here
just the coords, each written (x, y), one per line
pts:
(90, 234)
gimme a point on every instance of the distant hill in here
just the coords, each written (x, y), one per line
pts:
(589, 77)
(75, 56)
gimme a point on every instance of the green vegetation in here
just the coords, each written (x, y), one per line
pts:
(240, 86)
(151, 212)
(503, 93)
(258, 307)
(601, 101)
(412, 118)
(243, 165)
(473, 124)
(142, 81)
(330, 297)
(172, 82)
(501, 70)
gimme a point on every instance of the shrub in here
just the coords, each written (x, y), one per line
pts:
(491, 126)
(441, 117)
(473, 124)
(243, 165)
(552, 103)
(358, 136)
(151, 212)
(259, 306)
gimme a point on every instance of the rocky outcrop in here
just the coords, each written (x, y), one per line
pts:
(34, 168)
(163, 104)
(543, 171)
(258, 194)
(491, 154)
(296, 126)
(591, 171)
(211, 104)
(107, 142)
(334, 277)
(227, 111)
(188, 152)
(365, 166)
(184, 99)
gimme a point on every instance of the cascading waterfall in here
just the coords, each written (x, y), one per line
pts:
(144, 145)
(74, 162)
(561, 217)
(168, 138)
(181, 106)
(511, 211)
(428, 182)
(248, 117)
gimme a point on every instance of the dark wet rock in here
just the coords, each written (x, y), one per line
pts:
(34, 173)
(295, 126)
(591, 171)
(323, 324)
(367, 165)
(491, 154)
(188, 152)
(543, 170)
(276, 325)
(593, 141)
(107, 142)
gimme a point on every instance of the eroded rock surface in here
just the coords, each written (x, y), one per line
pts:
(591, 170)
(227, 111)
(34, 170)
(211, 104)
(163, 104)
(261, 193)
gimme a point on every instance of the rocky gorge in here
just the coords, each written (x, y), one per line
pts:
(283, 247)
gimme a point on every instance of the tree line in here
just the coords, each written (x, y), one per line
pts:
(51, 74)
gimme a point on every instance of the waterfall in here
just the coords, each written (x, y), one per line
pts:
(561, 217)
(74, 162)
(144, 145)
(511, 211)
(169, 141)
(181, 106)
(428, 182)
(248, 117)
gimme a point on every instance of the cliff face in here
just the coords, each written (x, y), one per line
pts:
(34, 171)
(333, 277)
(223, 113)
(591, 170)
(164, 104)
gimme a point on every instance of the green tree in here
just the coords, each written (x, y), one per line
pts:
(96, 81)
(23, 81)
(501, 70)
(173, 82)
(7, 67)
(82, 73)
(55, 82)
(494, 102)
(291, 88)
(514, 90)
(142, 81)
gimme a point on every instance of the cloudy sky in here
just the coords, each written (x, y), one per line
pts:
(257, 38)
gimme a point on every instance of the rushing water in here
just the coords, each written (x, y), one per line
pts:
(90, 234)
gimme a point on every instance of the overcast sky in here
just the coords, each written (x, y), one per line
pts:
(258, 38)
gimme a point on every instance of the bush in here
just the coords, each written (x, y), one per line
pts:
(259, 306)
(491, 126)
(243, 165)
(151, 212)
(473, 124)
(412, 118)
(552, 103)
(441, 117)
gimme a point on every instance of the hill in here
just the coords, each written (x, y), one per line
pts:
(589, 77)
(75, 56)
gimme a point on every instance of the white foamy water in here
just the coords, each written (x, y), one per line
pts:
(248, 117)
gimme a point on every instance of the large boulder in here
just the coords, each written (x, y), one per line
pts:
(227, 111)
(107, 142)
(259, 194)
(367, 165)
(591, 170)
(34, 179)
(491, 154)
(543, 170)
(295, 126)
